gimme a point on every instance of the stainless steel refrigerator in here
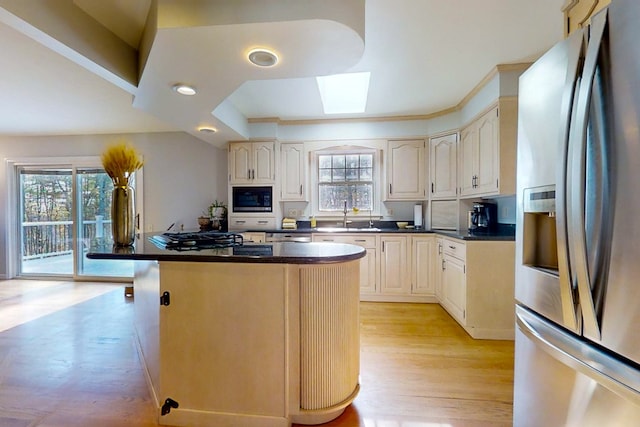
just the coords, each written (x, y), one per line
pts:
(577, 350)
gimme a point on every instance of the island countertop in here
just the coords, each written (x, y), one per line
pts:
(270, 253)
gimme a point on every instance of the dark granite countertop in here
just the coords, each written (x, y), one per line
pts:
(275, 253)
(504, 233)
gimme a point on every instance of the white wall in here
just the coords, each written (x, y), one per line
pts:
(182, 174)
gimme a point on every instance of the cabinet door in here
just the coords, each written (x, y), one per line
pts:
(394, 266)
(438, 268)
(292, 172)
(405, 170)
(240, 162)
(368, 272)
(454, 286)
(443, 161)
(263, 162)
(488, 169)
(254, 237)
(422, 255)
(468, 159)
(368, 264)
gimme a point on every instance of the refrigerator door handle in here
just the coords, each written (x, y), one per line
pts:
(577, 189)
(567, 348)
(567, 287)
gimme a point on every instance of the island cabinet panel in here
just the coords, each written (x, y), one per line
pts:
(230, 316)
(329, 334)
(250, 344)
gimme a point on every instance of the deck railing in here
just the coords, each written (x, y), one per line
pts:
(49, 238)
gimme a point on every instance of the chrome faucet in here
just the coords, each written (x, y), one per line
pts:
(344, 219)
(371, 218)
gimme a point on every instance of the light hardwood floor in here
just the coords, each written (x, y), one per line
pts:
(67, 359)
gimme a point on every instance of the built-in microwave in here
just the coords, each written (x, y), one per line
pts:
(252, 199)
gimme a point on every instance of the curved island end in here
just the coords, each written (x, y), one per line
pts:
(255, 335)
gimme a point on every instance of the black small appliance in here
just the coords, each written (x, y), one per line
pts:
(484, 218)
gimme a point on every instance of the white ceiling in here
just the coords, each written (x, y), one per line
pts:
(424, 56)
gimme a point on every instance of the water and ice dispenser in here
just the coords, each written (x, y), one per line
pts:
(539, 241)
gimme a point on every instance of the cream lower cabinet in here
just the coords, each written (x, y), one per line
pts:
(254, 237)
(437, 263)
(478, 286)
(454, 291)
(394, 265)
(423, 251)
(368, 264)
(397, 267)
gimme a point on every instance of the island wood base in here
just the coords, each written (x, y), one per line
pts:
(254, 344)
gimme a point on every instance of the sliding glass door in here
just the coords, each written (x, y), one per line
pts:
(62, 209)
(93, 223)
(46, 229)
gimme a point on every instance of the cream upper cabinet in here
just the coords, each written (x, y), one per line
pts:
(394, 265)
(487, 152)
(252, 162)
(578, 13)
(292, 172)
(405, 165)
(443, 166)
(423, 251)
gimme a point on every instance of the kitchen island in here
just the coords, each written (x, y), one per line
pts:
(251, 335)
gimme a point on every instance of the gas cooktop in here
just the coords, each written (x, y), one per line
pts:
(196, 240)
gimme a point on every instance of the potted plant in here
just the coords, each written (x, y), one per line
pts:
(218, 210)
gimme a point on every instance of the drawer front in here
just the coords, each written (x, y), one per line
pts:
(250, 223)
(455, 248)
(366, 241)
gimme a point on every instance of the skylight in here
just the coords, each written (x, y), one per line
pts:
(344, 93)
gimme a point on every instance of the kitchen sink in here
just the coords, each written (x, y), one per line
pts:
(346, 229)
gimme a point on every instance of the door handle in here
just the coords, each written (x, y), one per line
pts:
(569, 95)
(577, 189)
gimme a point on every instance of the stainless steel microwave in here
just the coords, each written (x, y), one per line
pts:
(252, 199)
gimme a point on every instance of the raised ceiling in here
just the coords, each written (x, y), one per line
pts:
(86, 66)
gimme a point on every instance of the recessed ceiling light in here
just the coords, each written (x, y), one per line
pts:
(184, 89)
(262, 57)
(207, 129)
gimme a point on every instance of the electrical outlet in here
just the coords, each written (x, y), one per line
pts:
(390, 212)
(149, 227)
(292, 213)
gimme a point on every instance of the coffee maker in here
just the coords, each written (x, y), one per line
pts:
(484, 218)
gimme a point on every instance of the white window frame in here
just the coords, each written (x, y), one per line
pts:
(376, 176)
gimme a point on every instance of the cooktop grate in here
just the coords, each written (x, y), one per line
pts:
(196, 240)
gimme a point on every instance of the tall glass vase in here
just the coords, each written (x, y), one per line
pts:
(123, 215)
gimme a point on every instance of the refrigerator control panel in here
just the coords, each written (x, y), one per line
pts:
(540, 199)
